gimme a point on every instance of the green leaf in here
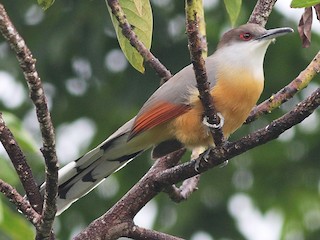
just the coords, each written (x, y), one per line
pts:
(233, 8)
(139, 15)
(138, 4)
(303, 3)
(45, 4)
(13, 225)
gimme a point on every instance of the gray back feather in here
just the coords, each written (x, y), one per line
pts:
(177, 89)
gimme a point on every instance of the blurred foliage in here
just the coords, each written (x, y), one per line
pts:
(12, 225)
(76, 48)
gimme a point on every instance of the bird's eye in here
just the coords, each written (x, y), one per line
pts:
(245, 36)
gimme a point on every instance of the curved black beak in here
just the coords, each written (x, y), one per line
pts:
(276, 32)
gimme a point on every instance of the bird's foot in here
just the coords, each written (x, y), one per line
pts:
(225, 163)
(205, 156)
(196, 152)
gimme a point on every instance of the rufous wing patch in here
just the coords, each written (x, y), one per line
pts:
(156, 115)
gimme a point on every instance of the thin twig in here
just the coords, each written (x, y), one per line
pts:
(21, 203)
(139, 233)
(195, 46)
(127, 31)
(27, 64)
(300, 82)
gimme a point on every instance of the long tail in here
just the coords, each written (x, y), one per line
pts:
(79, 177)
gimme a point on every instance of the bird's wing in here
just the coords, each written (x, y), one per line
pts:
(159, 113)
(172, 99)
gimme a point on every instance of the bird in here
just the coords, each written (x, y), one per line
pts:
(173, 115)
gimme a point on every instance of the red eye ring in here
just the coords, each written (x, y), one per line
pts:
(245, 36)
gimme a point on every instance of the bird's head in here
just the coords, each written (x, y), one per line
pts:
(244, 47)
(251, 35)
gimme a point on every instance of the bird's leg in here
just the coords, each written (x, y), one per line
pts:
(199, 152)
(204, 152)
(196, 152)
(219, 125)
(225, 163)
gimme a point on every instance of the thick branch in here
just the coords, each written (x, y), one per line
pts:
(261, 12)
(225, 152)
(300, 82)
(27, 64)
(195, 46)
(160, 177)
(127, 31)
(109, 226)
(21, 166)
(21, 203)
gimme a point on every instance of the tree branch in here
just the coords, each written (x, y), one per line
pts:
(261, 12)
(110, 225)
(139, 233)
(225, 152)
(27, 64)
(21, 166)
(182, 193)
(21, 203)
(300, 82)
(127, 31)
(260, 16)
(159, 177)
(195, 43)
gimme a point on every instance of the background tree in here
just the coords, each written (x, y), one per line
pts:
(272, 189)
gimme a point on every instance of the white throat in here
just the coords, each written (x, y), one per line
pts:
(247, 56)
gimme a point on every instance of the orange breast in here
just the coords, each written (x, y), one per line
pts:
(233, 96)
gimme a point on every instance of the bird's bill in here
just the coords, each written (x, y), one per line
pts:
(276, 32)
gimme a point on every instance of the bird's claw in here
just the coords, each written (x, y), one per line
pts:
(225, 163)
(205, 157)
(197, 166)
(218, 126)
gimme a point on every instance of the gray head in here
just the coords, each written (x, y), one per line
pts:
(251, 32)
(244, 48)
